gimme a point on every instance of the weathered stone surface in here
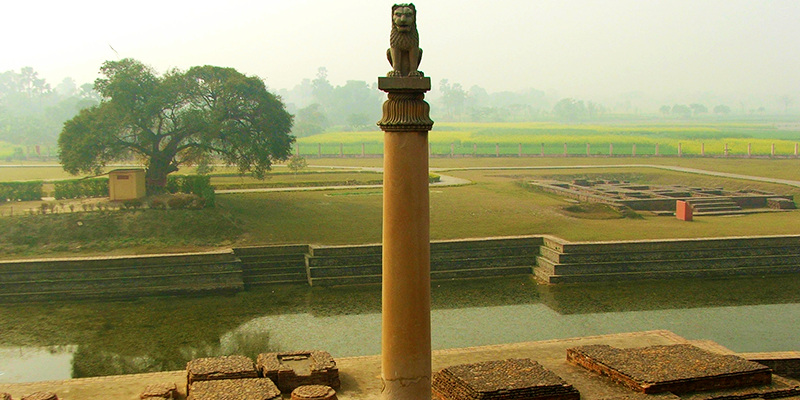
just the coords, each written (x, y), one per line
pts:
(214, 368)
(314, 392)
(5, 396)
(779, 388)
(234, 389)
(41, 396)
(501, 380)
(292, 369)
(160, 391)
(676, 368)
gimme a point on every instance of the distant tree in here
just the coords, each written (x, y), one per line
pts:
(453, 98)
(761, 110)
(309, 121)
(357, 121)
(787, 101)
(31, 112)
(722, 109)
(681, 109)
(296, 163)
(322, 90)
(698, 108)
(570, 109)
(665, 109)
(175, 119)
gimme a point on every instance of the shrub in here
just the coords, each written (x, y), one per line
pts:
(178, 202)
(132, 204)
(157, 204)
(199, 185)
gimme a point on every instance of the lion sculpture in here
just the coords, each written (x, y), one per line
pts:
(404, 53)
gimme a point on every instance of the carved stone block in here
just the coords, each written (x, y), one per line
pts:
(292, 369)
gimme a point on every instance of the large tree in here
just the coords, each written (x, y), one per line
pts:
(182, 117)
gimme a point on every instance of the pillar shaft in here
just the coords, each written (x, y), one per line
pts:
(406, 298)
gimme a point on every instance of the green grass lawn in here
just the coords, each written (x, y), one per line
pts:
(494, 205)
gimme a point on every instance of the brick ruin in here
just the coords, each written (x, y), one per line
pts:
(661, 199)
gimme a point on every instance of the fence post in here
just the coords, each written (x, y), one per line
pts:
(542, 149)
(633, 150)
(341, 150)
(726, 149)
(474, 149)
(611, 149)
(772, 151)
(588, 151)
(319, 150)
(520, 150)
(703, 149)
(452, 149)
(363, 150)
(497, 149)
(679, 151)
(749, 149)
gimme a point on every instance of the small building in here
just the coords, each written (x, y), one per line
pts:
(126, 184)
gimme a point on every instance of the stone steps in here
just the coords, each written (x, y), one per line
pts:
(266, 265)
(564, 262)
(714, 206)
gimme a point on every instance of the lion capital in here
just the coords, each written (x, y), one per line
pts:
(404, 53)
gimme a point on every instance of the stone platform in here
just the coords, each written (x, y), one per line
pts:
(360, 376)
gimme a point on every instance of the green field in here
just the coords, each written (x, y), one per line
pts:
(496, 203)
(535, 138)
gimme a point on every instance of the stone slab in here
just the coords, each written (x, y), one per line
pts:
(501, 380)
(418, 84)
(235, 389)
(224, 367)
(676, 368)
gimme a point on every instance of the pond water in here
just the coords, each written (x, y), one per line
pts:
(92, 338)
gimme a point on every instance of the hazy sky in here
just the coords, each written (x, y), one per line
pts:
(579, 48)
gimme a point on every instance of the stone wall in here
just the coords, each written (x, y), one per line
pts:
(551, 259)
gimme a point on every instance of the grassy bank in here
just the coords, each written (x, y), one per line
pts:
(496, 204)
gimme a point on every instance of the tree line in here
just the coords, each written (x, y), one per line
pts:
(32, 112)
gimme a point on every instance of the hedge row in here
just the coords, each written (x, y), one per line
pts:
(20, 191)
(78, 188)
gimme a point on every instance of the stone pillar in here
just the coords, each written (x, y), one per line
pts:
(406, 319)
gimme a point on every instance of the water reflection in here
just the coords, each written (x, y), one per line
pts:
(158, 334)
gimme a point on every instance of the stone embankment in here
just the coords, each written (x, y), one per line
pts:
(549, 259)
